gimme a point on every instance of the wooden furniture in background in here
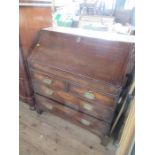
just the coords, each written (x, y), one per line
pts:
(33, 15)
(79, 75)
(24, 85)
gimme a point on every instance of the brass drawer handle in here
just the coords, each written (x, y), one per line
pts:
(87, 106)
(85, 122)
(49, 91)
(89, 95)
(47, 81)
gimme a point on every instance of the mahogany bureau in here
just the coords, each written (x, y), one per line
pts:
(79, 75)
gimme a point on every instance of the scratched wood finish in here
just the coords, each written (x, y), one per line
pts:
(53, 83)
(98, 97)
(86, 72)
(96, 59)
(73, 89)
(74, 116)
(85, 82)
(101, 110)
(94, 109)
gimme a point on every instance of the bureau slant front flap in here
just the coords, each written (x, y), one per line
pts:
(99, 59)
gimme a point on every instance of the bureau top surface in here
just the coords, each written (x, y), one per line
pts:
(94, 58)
(94, 34)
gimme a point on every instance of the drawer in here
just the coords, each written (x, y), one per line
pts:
(49, 81)
(86, 82)
(94, 109)
(94, 125)
(92, 96)
(87, 94)
(57, 95)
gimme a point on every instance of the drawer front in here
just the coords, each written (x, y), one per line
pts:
(96, 126)
(57, 95)
(82, 92)
(94, 109)
(92, 96)
(49, 81)
(106, 88)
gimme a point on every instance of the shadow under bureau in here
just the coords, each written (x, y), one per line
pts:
(79, 75)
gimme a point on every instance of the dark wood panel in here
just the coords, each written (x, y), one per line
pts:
(51, 82)
(92, 96)
(53, 93)
(87, 74)
(62, 92)
(98, 110)
(97, 59)
(101, 86)
(55, 83)
(25, 89)
(32, 19)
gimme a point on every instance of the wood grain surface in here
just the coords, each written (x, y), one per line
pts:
(50, 135)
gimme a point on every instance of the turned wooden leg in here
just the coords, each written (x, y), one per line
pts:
(104, 140)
